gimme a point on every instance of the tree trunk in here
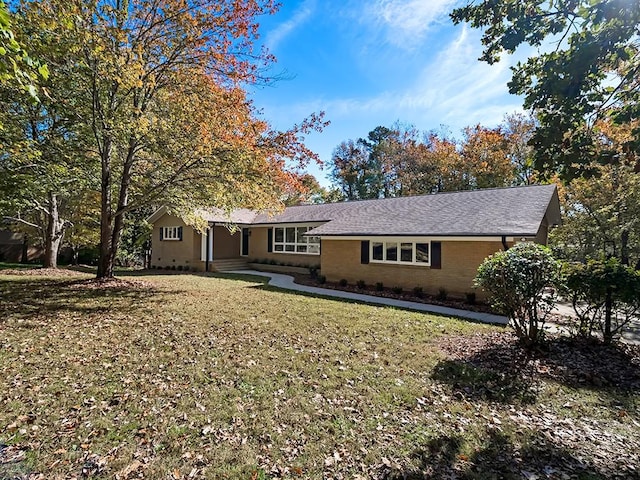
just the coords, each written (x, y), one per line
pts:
(53, 233)
(105, 265)
(607, 316)
(25, 249)
(624, 247)
(112, 224)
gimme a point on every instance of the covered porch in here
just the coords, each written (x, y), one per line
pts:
(223, 249)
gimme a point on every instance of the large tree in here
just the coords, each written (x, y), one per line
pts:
(603, 208)
(16, 66)
(44, 156)
(589, 69)
(353, 171)
(165, 119)
(400, 160)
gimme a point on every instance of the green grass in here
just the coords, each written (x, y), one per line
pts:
(221, 377)
(8, 265)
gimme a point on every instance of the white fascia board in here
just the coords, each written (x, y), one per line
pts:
(413, 238)
(155, 216)
(288, 224)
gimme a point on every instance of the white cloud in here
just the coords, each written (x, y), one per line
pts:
(407, 21)
(300, 16)
(454, 88)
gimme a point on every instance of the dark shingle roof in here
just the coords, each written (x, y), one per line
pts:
(516, 211)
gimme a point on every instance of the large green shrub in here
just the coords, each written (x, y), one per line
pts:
(605, 296)
(516, 281)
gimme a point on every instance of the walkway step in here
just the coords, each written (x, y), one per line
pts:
(228, 265)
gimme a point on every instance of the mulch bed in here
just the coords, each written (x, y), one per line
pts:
(112, 283)
(388, 293)
(42, 272)
(89, 284)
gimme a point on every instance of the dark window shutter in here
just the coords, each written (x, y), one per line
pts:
(364, 251)
(161, 233)
(436, 255)
(270, 240)
(180, 233)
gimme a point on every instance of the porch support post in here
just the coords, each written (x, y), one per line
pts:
(208, 251)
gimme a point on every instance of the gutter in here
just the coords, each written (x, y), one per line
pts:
(504, 243)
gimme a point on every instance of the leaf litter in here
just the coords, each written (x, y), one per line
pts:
(206, 377)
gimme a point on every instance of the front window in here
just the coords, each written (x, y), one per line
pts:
(400, 252)
(171, 233)
(293, 240)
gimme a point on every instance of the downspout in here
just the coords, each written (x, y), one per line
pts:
(504, 243)
(206, 261)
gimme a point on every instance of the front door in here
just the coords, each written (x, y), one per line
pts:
(245, 242)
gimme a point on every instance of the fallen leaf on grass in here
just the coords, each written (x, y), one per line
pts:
(126, 472)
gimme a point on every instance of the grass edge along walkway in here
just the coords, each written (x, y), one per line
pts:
(287, 282)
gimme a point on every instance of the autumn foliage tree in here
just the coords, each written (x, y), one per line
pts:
(354, 172)
(401, 160)
(159, 86)
(44, 160)
(589, 73)
(603, 207)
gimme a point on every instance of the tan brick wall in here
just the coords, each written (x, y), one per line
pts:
(225, 243)
(543, 232)
(258, 250)
(460, 261)
(175, 252)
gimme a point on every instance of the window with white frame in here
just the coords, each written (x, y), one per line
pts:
(293, 240)
(171, 233)
(400, 252)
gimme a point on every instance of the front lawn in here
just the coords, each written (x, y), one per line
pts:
(189, 376)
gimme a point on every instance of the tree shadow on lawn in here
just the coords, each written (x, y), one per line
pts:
(499, 458)
(505, 372)
(31, 297)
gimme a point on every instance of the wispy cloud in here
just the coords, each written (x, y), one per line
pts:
(299, 17)
(454, 88)
(407, 21)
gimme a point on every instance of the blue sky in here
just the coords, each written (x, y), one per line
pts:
(369, 63)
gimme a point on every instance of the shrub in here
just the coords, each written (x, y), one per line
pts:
(322, 279)
(379, 286)
(396, 290)
(361, 284)
(273, 262)
(179, 268)
(186, 268)
(604, 294)
(471, 298)
(418, 292)
(313, 271)
(173, 267)
(442, 294)
(343, 282)
(515, 281)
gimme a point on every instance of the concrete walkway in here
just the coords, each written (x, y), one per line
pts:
(631, 333)
(286, 282)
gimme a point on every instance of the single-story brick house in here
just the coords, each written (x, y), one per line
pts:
(432, 241)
